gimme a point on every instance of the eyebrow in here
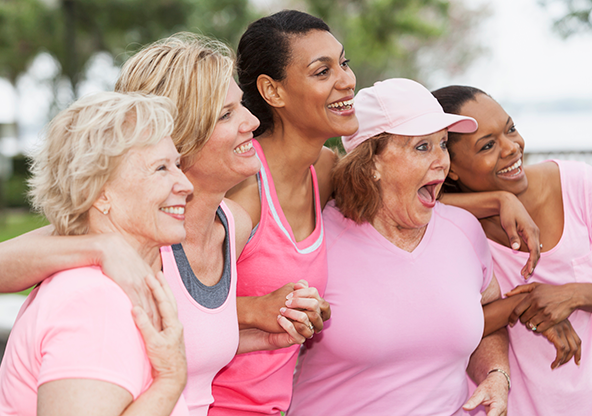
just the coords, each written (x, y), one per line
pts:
(326, 59)
(489, 135)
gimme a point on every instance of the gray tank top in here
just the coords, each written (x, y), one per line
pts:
(210, 297)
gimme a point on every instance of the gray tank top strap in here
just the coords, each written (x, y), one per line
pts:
(210, 297)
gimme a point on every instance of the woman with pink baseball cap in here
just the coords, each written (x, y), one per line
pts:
(418, 271)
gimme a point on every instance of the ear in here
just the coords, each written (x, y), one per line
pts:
(452, 174)
(102, 203)
(269, 89)
(376, 171)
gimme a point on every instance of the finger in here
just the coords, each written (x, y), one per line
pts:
(559, 346)
(531, 238)
(527, 288)
(495, 411)
(308, 304)
(301, 284)
(578, 354)
(290, 330)
(307, 292)
(165, 307)
(325, 310)
(475, 400)
(167, 289)
(307, 328)
(513, 236)
(316, 321)
(143, 323)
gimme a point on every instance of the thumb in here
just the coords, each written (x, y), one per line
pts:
(143, 322)
(475, 400)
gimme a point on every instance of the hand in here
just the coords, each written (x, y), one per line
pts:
(566, 341)
(492, 393)
(124, 266)
(518, 225)
(544, 306)
(307, 299)
(261, 311)
(165, 347)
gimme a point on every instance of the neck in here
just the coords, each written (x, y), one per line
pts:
(406, 238)
(200, 216)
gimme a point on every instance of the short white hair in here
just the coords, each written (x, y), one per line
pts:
(83, 147)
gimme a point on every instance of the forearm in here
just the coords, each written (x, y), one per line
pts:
(480, 204)
(492, 353)
(246, 307)
(497, 313)
(583, 298)
(159, 400)
(30, 258)
(253, 340)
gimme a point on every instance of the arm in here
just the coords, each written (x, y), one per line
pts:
(514, 218)
(492, 353)
(166, 351)
(21, 270)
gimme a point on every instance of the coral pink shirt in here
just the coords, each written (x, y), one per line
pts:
(76, 324)
(211, 335)
(260, 383)
(536, 389)
(403, 325)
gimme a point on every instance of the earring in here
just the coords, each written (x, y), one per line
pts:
(375, 177)
(106, 211)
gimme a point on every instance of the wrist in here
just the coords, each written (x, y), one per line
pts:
(503, 198)
(501, 373)
(245, 305)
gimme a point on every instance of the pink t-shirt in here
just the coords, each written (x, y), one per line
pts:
(403, 325)
(536, 389)
(260, 383)
(211, 335)
(76, 324)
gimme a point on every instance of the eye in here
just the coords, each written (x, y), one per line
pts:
(512, 129)
(444, 144)
(161, 168)
(225, 116)
(178, 165)
(488, 145)
(345, 64)
(323, 72)
(422, 147)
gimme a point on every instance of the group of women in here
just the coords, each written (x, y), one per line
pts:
(207, 203)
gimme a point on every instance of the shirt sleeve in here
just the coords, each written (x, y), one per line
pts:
(91, 334)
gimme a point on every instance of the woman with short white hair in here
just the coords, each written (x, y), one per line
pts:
(108, 165)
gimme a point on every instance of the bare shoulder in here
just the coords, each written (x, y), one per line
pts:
(323, 167)
(242, 224)
(246, 194)
(544, 177)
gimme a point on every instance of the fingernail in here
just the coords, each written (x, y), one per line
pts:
(515, 245)
(282, 310)
(289, 302)
(290, 295)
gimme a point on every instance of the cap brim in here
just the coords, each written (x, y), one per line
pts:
(433, 122)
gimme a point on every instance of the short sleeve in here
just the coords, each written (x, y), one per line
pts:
(91, 334)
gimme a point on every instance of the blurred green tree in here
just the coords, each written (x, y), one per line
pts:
(575, 16)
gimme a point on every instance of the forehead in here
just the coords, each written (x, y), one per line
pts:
(313, 45)
(484, 109)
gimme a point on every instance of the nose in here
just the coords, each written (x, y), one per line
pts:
(182, 186)
(441, 159)
(509, 147)
(250, 122)
(347, 80)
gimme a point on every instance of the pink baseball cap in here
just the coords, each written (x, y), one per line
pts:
(402, 107)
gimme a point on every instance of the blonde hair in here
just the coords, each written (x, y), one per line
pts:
(193, 71)
(83, 147)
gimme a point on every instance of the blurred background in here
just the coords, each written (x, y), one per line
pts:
(533, 56)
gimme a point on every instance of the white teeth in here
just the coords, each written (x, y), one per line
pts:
(346, 105)
(174, 210)
(514, 166)
(244, 148)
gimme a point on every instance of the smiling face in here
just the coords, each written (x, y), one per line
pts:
(411, 171)
(228, 157)
(318, 90)
(489, 159)
(146, 200)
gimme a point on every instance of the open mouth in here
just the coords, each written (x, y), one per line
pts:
(342, 105)
(427, 194)
(174, 210)
(512, 170)
(243, 148)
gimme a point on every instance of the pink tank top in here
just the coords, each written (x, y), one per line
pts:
(260, 383)
(211, 335)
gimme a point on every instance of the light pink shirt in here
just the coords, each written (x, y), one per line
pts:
(211, 335)
(403, 325)
(260, 383)
(76, 324)
(536, 389)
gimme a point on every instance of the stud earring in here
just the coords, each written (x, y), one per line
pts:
(106, 211)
